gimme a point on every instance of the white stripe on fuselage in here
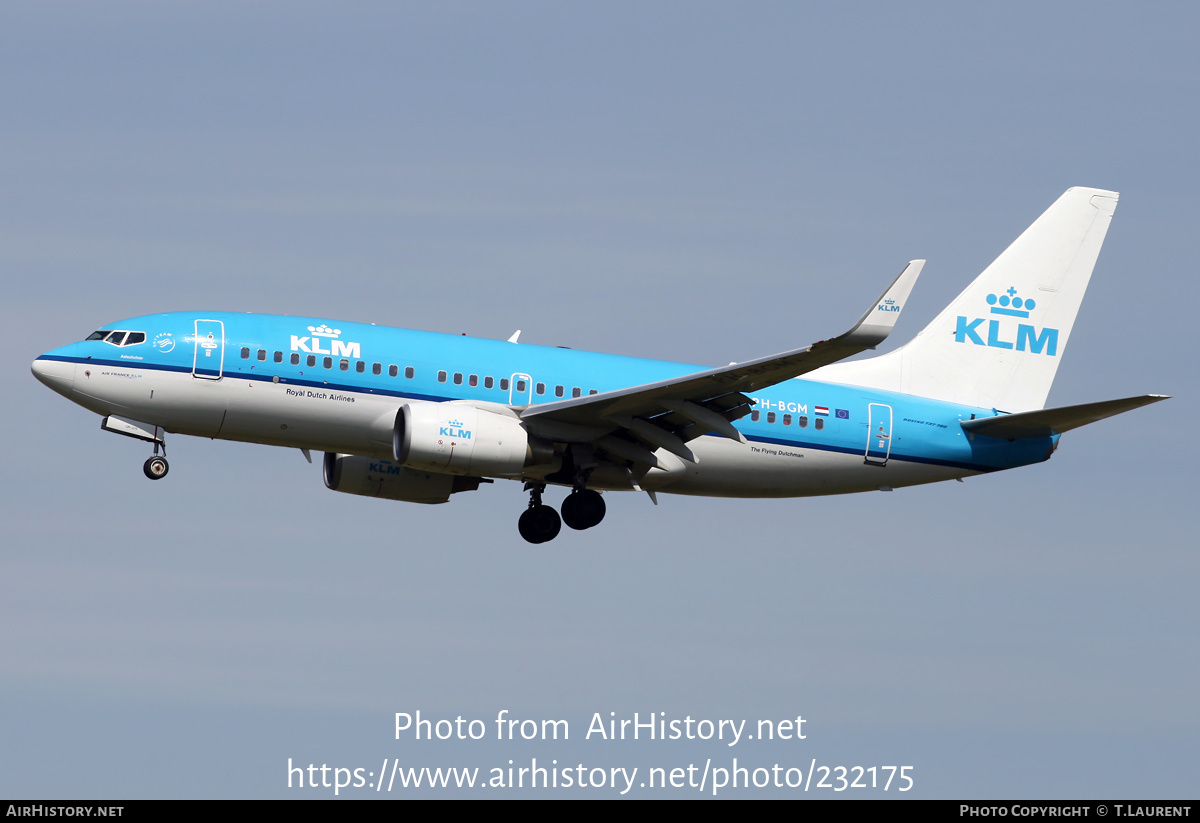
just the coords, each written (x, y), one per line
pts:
(351, 422)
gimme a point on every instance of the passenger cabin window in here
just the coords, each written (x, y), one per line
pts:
(458, 378)
(278, 357)
(754, 415)
(245, 354)
(327, 362)
(504, 384)
(295, 359)
(820, 423)
(541, 388)
(393, 371)
(361, 366)
(787, 420)
(377, 368)
(576, 391)
(592, 391)
(473, 380)
(802, 422)
(344, 365)
(262, 354)
(408, 372)
(487, 382)
(441, 377)
(558, 391)
(312, 360)
(521, 386)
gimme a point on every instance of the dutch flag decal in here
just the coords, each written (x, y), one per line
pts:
(822, 411)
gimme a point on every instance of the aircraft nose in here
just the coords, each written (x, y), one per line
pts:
(56, 374)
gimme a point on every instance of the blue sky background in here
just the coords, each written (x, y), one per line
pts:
(691, 181)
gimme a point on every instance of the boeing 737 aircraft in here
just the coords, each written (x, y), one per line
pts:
(418, 416)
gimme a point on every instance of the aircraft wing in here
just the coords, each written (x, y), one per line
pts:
(668, 413)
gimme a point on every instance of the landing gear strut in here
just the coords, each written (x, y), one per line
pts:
(539, 523)
(156, 467)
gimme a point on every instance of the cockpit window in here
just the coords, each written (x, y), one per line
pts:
(119, 338)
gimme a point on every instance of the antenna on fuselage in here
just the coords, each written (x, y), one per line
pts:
(516, 334)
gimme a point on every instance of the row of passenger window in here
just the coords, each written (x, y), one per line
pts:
(801, 421)
(539, 388)
(360, 366)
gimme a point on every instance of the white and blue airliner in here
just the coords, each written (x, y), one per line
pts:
(419, 416)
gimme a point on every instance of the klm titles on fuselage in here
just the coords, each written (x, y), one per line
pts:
(1028, 338)
(337, 348)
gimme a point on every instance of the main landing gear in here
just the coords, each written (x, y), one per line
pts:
(583, 509)
(540, 523)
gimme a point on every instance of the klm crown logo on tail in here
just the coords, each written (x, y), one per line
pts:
(1000, 333)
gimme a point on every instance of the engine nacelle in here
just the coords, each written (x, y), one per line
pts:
(368, 476)
(461, 439)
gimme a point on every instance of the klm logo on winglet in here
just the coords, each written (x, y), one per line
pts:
(1008, 304)
(322, 332)
(453, 428)
(889, 305)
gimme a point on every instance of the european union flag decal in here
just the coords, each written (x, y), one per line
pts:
(843, 414)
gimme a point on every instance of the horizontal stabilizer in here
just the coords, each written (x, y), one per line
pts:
(1049, 422)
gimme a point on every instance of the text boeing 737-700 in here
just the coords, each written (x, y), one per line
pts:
(418, 416)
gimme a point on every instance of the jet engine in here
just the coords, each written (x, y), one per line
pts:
(460, 439)
(371, 477)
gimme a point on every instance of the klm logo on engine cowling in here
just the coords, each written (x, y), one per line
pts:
(453, 428)
(1001, 334)
(337, 348)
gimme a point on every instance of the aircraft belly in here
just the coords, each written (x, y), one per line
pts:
(729, 469)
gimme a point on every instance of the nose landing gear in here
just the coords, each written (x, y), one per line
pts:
(156, 468)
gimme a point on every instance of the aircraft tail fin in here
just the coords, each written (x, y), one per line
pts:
(998, 344)
(1047, 422)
